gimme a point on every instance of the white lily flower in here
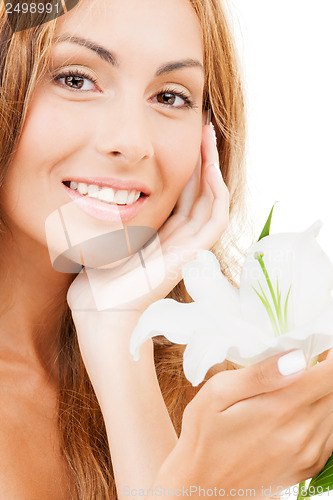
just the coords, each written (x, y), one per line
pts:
(284, 302)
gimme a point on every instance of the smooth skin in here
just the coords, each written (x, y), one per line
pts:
(119, 127)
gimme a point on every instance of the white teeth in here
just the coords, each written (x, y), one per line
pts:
(105, 193)
(92, 188)
(82, 188)
(136, 196)
(130, 198)
(120, 197)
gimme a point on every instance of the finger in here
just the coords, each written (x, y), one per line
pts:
(229, 387)
(190, 192)
(209, 151)
(212, 206)
(315, 384)
(184, 204)
(215, 213)
(320, 408)
(202, 209)
(218, 220)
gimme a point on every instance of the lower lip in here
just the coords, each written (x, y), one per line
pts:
(105, 211)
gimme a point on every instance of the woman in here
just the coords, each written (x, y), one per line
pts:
(114, 94)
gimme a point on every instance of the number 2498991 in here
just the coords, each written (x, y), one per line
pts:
(32, 8)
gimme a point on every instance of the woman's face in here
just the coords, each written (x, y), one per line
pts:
(123, 111)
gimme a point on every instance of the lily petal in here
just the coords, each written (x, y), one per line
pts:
(212, 345)
(228, 338)
(166, 317)
(207, 333)
(205, 282)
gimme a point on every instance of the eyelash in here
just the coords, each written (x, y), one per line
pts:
(189, 104)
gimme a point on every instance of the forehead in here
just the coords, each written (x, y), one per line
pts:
(156, 29)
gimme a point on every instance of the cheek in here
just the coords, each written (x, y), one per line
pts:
(31, 188)
(51, 130)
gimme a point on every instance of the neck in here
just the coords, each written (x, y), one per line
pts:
(33, 302)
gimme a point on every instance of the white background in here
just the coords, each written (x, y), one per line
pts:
(286, 49)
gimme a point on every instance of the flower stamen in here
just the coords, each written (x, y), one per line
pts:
(280, 325)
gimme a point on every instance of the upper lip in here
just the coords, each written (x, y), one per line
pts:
(111, 182)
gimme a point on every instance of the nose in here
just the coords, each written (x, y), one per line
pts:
(123, 133)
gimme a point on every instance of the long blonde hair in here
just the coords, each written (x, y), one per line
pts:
(24, 59)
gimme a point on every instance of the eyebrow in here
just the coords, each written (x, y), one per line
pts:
(110, 58)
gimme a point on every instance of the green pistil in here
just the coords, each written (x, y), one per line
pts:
(269, 310)
(280, 323)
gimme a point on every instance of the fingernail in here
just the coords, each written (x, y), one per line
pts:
(292, 362)
(213, 128)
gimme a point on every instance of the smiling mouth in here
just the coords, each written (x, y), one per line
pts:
(106, 194)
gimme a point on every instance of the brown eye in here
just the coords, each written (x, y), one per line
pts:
(166, 98)
(75, 82)
(174, 99)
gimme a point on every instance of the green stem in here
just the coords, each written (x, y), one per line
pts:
(285, 311)
(268, 308)
(259, 257)
(300, 496)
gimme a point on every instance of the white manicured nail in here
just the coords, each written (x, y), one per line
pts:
(292, 362)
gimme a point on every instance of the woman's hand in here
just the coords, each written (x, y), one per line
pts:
(255, 429)
(197, 221)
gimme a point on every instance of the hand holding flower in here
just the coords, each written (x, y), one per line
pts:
(267, 431)
(284, 301)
